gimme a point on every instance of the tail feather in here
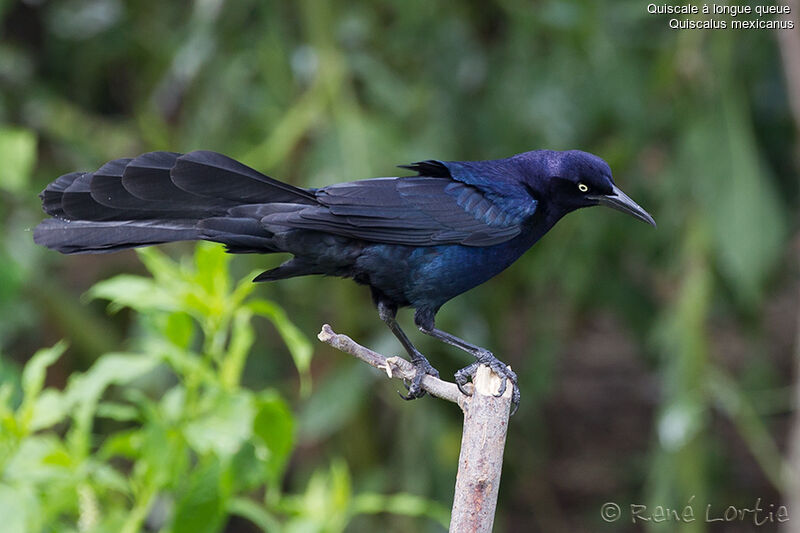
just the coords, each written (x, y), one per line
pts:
(240, 235)
(147, 177)
(77, 202)
(290, 269)
(161, 197)
(54, 193)
(213, 174)
(108, 189)
(82, 236)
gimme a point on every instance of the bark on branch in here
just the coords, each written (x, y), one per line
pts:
(483, 440)
(395, 367)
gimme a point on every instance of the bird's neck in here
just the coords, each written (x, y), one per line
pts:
(551, 213)
(535, 227)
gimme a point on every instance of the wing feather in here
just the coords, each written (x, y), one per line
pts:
(419, 211)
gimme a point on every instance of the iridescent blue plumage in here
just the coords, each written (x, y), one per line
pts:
(416, 241)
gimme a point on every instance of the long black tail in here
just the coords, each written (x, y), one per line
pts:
(160, 197)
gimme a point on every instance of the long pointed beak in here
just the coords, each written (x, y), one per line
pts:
(622, 202)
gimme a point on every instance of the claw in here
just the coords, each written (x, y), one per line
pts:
(463, 376)
(410, 396)
(499, 368)
(422, 367)
(514, 401)
(502, 389)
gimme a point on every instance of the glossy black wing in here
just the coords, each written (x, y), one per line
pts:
(418, 211)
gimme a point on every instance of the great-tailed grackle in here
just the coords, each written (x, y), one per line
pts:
(416, 241)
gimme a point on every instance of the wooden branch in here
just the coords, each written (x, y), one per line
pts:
(395, 367)
(481, 460)
(483, 439)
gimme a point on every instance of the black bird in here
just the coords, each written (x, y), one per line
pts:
(416, 241)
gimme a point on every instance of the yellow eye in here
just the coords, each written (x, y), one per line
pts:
(583, 187)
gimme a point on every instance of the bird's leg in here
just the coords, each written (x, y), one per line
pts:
(421, 365)
(425, 322)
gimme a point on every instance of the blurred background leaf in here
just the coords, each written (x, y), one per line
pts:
(18, 153)
(655, 365)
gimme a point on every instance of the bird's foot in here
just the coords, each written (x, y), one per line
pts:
(499, 368)
(422, 367)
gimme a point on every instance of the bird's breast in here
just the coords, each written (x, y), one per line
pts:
(428, 276)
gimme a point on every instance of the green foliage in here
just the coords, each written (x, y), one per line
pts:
(694, 322)
(735, 190)
(184, 460)
(202, 291)
(18, 154)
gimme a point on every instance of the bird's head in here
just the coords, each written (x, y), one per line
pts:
(573, 179)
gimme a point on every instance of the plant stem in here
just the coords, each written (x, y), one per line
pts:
(139, 512)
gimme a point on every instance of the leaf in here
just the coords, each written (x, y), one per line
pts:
(224, 428)
(248, 468)
(161, 267)
(49, 409)
(107, 477)
(84, 390)
(211, 263)
(341, 490)
(273, 425)
(19, 508)
(117, 411)
(201, 507)
(18, 154)
(183, 362)
(172, 404)
(255, 513)
(39, 459)
(164, 456)
(136, 292)
(127, 443)
(113, 368)
(244, 288)
(8, 420)
(33, 376)
(326, 501)
(299, 346)
(179, 329)
(34, 373)
(242, 339)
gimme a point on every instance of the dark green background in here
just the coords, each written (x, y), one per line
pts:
(654, 364)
